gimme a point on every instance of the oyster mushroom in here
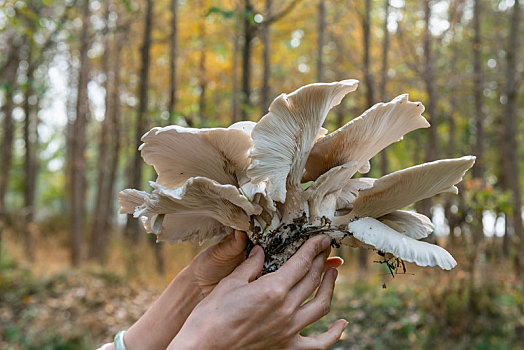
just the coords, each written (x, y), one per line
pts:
(285, 179)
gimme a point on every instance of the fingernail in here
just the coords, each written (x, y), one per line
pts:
(345, 323)
(255, 251)
(236, 236)
(326, 242)
(335, 272)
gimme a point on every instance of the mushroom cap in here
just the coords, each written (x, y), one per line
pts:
(283, 138)
(350, 191)
(404, 187)
(383, 238)
(198, 208)
(365, 168)
(322, 195)
(179, 153)
(409, 223)
(365, 136)
(245, 125)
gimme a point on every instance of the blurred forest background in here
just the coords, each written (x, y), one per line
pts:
(82, 80)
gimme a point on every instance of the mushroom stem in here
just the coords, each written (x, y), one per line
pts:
(280, 244)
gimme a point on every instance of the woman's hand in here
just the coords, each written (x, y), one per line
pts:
(242, 312)
(216, 262)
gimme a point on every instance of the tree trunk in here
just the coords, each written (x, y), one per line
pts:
(340, 59)
(78, 145)
(320, 39)
(510, 129)
(10, 74)
(250, 31)
(202, 68)
(429, 82)
(30, 160)
(478, 169)
(115, 130)
(132, 227)
(102, 200)
(450, 150)
(249, 34)
(384, 164)
(370, 98)
(366, 26)
(234, 68)
(172, 62)
(267, 61)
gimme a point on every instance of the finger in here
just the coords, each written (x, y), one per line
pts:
(320, 305)
(323, 340)
(230, 252)
(251, 267)
(300, 263)
(307, 285)
(333, 262)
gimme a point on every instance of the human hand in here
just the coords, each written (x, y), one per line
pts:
(216, 262)
(266, 313)
(160, 324)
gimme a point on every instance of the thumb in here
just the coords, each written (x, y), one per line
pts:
(231, 249)
(251, 268)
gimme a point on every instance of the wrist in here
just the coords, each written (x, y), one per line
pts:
(189, 342)
(164, 319)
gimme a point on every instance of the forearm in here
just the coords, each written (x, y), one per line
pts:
(159, 325)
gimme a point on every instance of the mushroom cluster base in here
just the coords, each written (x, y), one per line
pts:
(280, 244)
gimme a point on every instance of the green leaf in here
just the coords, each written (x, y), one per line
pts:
(220, 11)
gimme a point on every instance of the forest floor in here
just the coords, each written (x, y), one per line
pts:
(50, 306)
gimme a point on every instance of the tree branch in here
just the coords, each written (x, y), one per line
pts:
(279, 15)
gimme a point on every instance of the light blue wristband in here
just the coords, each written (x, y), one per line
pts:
(119, 341)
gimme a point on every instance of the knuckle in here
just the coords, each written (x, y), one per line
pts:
(318, 246)
(279, 293)
(273, 293)
(305, 263)
(325, 306)
(317, 278)
(287, 312)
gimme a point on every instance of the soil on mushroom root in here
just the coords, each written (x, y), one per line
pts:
(282, 243)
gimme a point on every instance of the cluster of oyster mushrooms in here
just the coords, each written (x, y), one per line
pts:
(284, 179)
